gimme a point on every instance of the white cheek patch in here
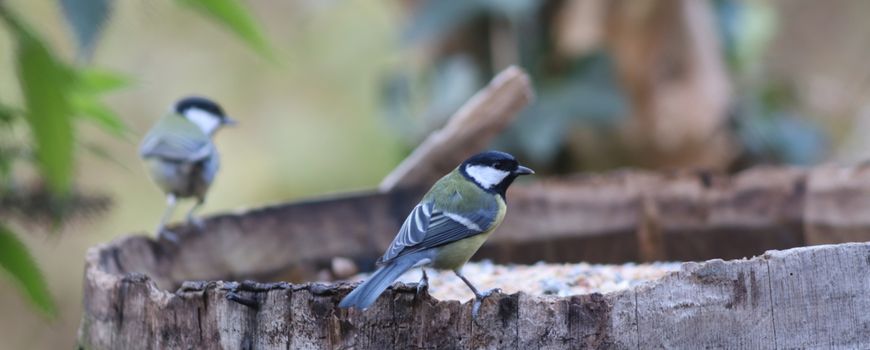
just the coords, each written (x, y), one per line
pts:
(206, 121)
(486, 176)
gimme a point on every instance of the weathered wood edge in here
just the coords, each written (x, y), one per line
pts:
(799, 298)
(613, 217)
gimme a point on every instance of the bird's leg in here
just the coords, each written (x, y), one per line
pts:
(193, 220)
(423, 285)
(167, 214)
(478, 296)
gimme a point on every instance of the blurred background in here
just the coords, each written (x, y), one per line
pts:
(331, 95)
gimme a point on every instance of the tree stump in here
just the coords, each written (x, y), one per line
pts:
(801, 298)
(813, 297)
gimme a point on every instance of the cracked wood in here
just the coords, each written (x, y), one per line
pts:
(800, 298)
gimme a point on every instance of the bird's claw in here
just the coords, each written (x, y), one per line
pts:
(478, 300)
(197, 223)
(488, 292)
(168, 235)
(422, 287)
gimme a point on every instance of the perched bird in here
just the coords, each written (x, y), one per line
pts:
(447, 227)
(180, 156)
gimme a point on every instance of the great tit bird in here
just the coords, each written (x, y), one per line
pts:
(447, 227)
(180, 156)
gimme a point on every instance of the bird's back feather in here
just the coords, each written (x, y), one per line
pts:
(181, 158)
(461, 210)
(175, 138)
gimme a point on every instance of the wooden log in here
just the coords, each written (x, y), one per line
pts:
(618, 216)
(838, 204)
(467, 132)
(607, 218)
(638, 215)
(291, 242)
(812, 297)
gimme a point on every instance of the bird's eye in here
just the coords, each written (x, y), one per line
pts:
(497, 165)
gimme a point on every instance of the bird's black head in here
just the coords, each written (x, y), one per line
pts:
(205, 113)
(493, 170)
(201, 103)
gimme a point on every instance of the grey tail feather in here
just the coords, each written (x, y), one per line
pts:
(365, 294)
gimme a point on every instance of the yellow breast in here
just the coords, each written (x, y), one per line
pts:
(452, 256)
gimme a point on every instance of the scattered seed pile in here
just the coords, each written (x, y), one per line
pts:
(538, 279)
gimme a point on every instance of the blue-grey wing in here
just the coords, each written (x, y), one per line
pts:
(210, 167)
(179, 149)
(428, 227)
(176, 139)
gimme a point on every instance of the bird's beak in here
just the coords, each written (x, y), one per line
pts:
(229, 121)
(521, 170)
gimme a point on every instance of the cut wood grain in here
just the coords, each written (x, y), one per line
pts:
(469, 131)
(813, 297)
(821, 296)
(712, 305)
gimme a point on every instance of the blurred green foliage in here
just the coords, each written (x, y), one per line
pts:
(569, 92)
(584, 94)
(580, 93)
(232, 15)
(16, 260)
(91, 83)
(87, 19)
(55, 94)
(764, 117)
(45, 85)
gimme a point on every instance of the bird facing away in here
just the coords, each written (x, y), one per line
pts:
(447, 227)
(180, 156)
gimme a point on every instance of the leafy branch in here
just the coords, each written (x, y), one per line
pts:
(56, 94)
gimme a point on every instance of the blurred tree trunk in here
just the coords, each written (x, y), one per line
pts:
(669, 62)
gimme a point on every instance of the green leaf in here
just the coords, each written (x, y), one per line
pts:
(8, 114)
(104, 154)
(16, 260)
(90, 108)
(235, 17)
(45, 84)
(87, 19)
(98, 81)
(90, 83)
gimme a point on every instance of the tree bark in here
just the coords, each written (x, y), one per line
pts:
(801, 298)
(811, 297)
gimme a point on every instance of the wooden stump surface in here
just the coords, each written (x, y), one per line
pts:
(813, 297)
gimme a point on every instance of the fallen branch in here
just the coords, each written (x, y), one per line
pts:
(469, 131)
